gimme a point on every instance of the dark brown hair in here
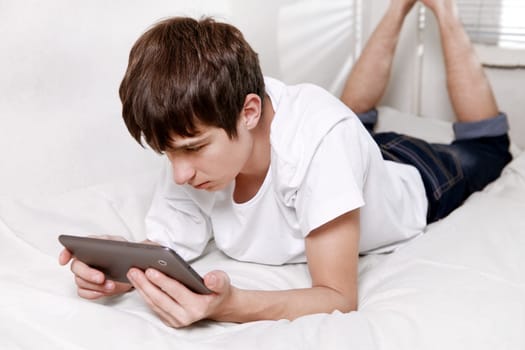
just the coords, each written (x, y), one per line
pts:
(183, 73)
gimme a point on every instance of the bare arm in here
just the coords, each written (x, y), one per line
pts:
(332, 253)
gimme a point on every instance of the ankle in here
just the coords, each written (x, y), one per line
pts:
(444, 10)
(401, 8)
(397, 11)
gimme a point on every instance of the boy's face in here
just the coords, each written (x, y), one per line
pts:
(211, 160)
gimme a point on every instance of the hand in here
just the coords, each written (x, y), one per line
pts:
(92, 283)
(175, 304)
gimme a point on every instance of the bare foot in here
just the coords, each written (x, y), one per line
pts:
(404, 5)
(441, 7)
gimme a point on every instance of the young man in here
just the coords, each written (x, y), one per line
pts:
(283, 174)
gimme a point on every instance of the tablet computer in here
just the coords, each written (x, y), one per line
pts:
(115, 258)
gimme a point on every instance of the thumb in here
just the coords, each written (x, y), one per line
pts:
(217, 281)
(64, 257)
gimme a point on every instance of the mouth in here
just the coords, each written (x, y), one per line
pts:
(203, 185)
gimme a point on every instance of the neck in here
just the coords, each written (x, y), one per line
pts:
(250, 179)
(259, 162)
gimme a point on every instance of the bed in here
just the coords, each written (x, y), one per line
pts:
(460, 285)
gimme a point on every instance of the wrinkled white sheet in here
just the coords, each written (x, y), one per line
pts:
(459, 286)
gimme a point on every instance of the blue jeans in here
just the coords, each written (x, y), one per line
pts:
(450, 172)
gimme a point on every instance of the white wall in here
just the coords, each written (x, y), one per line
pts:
(61, 63)
(60, 68)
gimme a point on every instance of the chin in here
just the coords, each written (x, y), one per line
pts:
(216, 187)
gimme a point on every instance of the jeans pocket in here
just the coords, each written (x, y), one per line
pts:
(439, 167)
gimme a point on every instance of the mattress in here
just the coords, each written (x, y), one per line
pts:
(460, 285)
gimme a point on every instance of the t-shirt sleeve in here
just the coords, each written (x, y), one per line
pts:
(333, 183)
(174, 220)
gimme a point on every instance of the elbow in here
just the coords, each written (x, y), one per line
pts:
(347, 305)
(344, 301)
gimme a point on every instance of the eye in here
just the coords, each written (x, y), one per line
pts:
(194, 148)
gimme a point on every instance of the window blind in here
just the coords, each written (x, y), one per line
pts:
(494, 22)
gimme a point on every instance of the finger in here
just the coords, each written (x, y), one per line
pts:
(122, 287)
(106, 287)
(89, 294)
(195, 306)
(217, 281)
(166, 307)
(166, 317)
(117, 238)
(64, 257)
(170, 286)
(154, 293)
(137, 281)
(87, 273)
(109, 237)
(147, 241)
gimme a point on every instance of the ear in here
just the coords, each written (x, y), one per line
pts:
(251, 111)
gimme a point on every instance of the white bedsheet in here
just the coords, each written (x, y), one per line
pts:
(459, 286)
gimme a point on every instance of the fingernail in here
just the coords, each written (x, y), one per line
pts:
(151, 273)
(109, 285)
(132, 274)
(99, 278)
(212, 279)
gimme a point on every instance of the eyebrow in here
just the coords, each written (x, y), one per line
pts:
(188, 144)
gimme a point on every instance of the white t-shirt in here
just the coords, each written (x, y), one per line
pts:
(323, 164)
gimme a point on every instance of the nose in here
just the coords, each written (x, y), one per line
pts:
(183, 171)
